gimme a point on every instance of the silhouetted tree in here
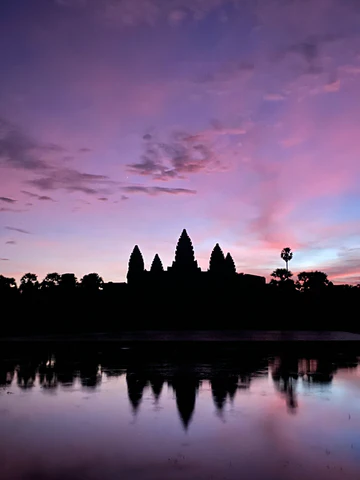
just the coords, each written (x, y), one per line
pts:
(92, 282)
(7, 284)
(217, 261)
(229, 265)
(51, 281)
(286, 254)
(29, 283)
(282, 278)
(68, 281)
(281, 274)
(312, 281)
(156, 266)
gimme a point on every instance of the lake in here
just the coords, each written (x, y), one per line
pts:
(104, 412)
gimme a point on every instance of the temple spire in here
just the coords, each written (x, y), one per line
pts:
(184, 254)
(136, 264)
(217, 261)
(156, 266)
(230, 265)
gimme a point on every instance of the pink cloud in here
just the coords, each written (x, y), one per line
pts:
(274, 97)
(333, 86)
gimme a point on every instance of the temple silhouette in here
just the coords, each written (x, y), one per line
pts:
(185, 271)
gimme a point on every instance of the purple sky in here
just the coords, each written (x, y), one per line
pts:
(124, 121)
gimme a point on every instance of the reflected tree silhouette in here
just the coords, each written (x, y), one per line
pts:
(90, 375)
(26, 376)
(225, 376)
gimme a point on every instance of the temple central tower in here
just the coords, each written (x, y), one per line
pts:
(184, 256)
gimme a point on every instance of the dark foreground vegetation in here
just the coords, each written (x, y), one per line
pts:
(60, 304)
(179, 297)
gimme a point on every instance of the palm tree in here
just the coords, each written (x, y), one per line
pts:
(286, 254)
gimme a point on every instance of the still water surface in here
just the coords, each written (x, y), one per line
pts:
(126, 415)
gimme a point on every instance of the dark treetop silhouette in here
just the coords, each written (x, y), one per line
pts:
(181, 296)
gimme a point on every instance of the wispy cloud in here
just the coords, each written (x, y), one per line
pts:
(158, 190)
(39, 197)
(274, 97)
(7, 200)
(10, 242)
(13, 210)
(73, 180)
(4, 259)
(345, 267)
(350, 69)
(225, 73)
(333, 86)
(19, 230)
(130, 13)
(184, 154)
(19, 151)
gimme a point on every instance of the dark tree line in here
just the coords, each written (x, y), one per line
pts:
(217, 299)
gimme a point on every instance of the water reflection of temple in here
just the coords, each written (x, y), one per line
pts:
(185, 381)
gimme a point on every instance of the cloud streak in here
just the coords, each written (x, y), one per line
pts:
(19, 230)
(153, 191)
(184, 154)
(18, 151)
(7, 200)
(13, 210)
(127, 13)
(38, 197)
(72, 180)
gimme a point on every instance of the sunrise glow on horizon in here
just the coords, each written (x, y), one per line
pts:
(123, 122)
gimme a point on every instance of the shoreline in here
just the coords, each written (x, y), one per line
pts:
(196, 336)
